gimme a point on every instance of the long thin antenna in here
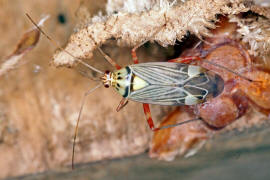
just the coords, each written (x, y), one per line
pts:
(58, 46)
(78, 120)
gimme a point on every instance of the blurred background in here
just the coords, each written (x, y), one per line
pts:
(39, 105)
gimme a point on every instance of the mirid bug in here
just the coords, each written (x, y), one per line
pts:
(172, 83)
(241, 105)
(164, 83)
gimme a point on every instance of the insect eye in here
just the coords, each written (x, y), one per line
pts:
(107, 72)
(106, 85)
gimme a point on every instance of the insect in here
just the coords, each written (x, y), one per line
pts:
(172, 83)
(240, 98)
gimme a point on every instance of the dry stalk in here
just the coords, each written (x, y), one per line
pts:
(256, 32)
(132, 26)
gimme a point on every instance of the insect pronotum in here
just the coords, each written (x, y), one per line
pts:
(172, 83)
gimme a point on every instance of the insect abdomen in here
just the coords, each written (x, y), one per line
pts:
(216, 86)
(207, 89)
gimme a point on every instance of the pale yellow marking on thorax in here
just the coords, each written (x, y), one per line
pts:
(138, 83)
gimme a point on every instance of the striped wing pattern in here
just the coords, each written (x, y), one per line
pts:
(168, 83)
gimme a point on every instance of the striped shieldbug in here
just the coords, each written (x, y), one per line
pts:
(172, 83)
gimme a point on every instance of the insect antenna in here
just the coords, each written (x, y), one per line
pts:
(177, 124)
(85, 95)
(78, 120)
(62, 49)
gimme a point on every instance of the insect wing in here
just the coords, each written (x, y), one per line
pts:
(169, 83)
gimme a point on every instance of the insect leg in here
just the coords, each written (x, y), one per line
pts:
(147, 112)
(133, 52)
(186, 59)
(189, 59)
(122, 104)
(150, 122)
(108, 58)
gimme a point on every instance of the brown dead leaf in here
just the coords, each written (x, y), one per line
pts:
(28, 41)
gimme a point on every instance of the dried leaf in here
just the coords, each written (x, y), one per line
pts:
(28, 41)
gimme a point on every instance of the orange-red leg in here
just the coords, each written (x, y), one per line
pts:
(186, 59)
(122, 104)
(146, 109)
(109, 59)
(134, 56)
(133, 53)
(150, 122)
(190, 59)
